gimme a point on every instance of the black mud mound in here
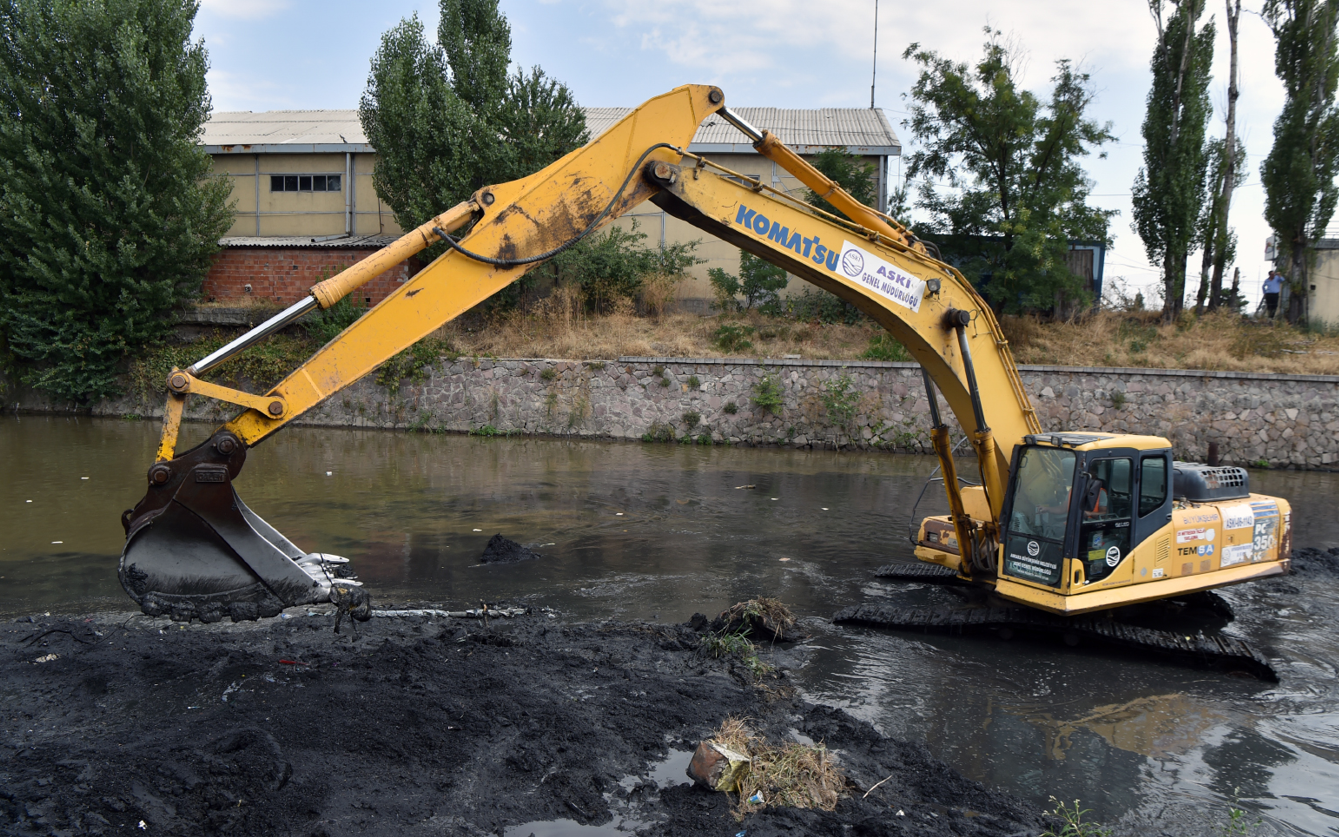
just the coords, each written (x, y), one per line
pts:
(418, 727)
(503, 551)
(1321, 563)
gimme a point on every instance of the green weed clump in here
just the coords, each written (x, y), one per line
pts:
(840, 400)
(769, 394)
(884, 346)
(412, 364)
(257, 369)
(325, 325)
(1072, 823)
(733, 338)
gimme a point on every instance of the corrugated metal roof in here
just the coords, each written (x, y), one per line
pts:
(306, 242)
(862, 130)
(861, 127)
(284, 127)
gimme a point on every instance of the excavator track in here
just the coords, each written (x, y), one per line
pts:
(1215, 651)
(919, 571)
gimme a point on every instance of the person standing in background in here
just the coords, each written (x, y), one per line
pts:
(1273, 285)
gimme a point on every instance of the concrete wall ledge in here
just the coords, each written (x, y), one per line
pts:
(1075, 370)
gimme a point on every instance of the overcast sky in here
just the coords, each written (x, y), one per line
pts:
(302, 54)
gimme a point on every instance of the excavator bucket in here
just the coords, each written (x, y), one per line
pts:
(195, 551)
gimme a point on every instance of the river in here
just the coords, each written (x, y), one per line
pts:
(658, 532)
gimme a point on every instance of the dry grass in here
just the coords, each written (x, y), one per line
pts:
(792, 774)
(1219, 341)
(558, 328)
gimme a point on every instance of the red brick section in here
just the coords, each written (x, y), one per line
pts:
(285, 275)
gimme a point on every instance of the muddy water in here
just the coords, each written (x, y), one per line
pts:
(659, 532)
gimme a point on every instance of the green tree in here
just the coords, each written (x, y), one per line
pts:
(1227, 159)
(447, 119)
(1169, 188)
(759, 281)
(1298, 173)
(999, 172)
(429, 142)
(853, 174)
(108, 216)
(1218, 240)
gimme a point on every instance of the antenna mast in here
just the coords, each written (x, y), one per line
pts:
(875, 74)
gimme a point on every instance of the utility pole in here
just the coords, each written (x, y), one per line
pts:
(874, 76)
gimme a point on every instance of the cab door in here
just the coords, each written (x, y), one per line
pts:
(1105, 514)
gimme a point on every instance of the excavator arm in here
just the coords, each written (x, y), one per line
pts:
(193, 548)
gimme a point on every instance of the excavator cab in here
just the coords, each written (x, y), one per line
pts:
(1090, 518)
(1072, 498)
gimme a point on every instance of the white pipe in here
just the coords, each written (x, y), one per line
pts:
(348, 194)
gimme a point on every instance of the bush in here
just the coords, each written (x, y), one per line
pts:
(256, 369)
(769, 394)
(617, 265)
(328, 324)
(732, 338)
(412, 364)
(759, 281)
(818, 306)
(886, 347)
(840, 400)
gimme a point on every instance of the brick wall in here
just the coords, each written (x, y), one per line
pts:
(284, 275)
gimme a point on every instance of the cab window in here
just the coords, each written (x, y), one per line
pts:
(1104, 524)
(1042, 488)
(1152, 484)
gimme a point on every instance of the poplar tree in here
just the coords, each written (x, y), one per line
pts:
(1299, 172)
(447, 118)
(1169, 188)
(108, 216)
(1017, 193)
(1227, 158)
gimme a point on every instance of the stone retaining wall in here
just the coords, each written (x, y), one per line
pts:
(1284, 420)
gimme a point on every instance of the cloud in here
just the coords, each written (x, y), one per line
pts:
(791, 37)
(235, 91)
(244, 9)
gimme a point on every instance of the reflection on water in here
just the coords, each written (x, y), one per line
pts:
(1158, 726)
(659, 532)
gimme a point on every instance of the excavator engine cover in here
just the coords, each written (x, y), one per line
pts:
(195, 551)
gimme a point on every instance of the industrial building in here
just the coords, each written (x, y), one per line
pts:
(306, 206)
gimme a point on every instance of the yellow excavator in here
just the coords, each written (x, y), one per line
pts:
(1064, 522)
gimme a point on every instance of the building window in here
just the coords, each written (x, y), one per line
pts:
(304, 182)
